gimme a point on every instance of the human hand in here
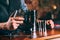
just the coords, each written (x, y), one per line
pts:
(14, 22)
(51, 23)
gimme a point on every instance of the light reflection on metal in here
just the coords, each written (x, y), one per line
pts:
(34, 28)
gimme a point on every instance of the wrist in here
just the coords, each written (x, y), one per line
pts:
(3, 25)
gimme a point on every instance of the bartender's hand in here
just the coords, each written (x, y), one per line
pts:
(51, 23)
(14, 22)
(48, 22)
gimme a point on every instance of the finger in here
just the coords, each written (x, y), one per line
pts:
(47, 22)
(19, 18)
(15, 26)
(18, 22)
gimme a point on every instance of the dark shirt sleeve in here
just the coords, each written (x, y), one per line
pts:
(3, 14)
(14, 5)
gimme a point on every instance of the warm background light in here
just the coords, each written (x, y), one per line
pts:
(54, 6)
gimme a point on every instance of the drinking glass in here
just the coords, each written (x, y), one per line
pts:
(42, 28)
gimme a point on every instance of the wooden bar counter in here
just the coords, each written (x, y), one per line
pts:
(51, 34)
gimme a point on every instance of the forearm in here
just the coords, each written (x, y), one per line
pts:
(2, 25)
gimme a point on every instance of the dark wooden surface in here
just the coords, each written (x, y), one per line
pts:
(50, 34)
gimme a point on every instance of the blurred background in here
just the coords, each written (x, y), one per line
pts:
(44, 6)
(46, 9)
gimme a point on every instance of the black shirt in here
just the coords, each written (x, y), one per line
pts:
(5, 12)
(7, 9)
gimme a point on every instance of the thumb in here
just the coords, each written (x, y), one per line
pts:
(15, 26)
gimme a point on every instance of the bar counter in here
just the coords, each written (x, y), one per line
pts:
(51, 34)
